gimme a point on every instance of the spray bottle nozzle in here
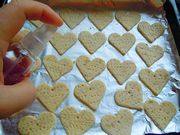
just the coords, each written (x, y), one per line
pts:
(35, 42)
(45, 32)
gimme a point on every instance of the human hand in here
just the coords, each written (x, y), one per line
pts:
(12, 17)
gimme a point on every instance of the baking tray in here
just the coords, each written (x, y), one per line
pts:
(142, 124)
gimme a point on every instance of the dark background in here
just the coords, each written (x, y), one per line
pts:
(173, 21)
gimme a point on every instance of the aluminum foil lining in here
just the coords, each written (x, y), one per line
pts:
(142, 124)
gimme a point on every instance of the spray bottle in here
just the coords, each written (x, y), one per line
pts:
(29, 48)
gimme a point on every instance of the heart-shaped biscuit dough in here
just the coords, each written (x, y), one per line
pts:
(118, 124)
(76, 123)
(90, 94)
(63, 42)
(149, 54)
(72, 17)
(56, 68)
(161, 114)
(90, 69)
(122, 43)
(30, 125)
(121, 71)
(151, 32)
(101, 18)
(131, 97)
(37, 64)
(92, 42)
(155, 81)
(52, 97)
(128, 19)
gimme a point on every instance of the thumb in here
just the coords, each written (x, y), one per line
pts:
(15, 97)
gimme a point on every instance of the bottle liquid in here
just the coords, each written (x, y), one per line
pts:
(26, 54)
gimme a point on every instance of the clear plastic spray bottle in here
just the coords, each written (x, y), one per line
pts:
(29, 48)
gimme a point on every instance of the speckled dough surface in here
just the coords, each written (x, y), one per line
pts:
(149, 54)
(118, 124)
(101, 18)
(155, 81)
(56, 68)
(151, 32)
(72, 17)
(76, 123)
(131, 97)
(52, 97)
(92, 42)
(90, 94)
(128, 19)
(63, 42)
(30, 125)
(161, 114)
(122, 43)
(90, 69)
(121, 71)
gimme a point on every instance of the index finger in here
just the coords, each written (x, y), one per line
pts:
(14, 14)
